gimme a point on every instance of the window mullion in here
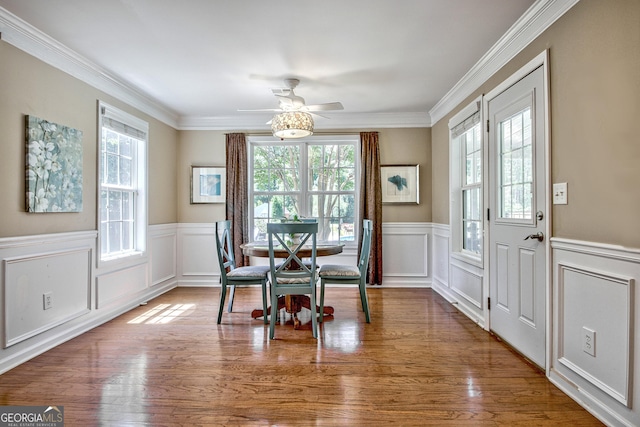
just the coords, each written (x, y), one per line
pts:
(303, 173)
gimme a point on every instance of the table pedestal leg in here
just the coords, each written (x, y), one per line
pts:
(293, 305)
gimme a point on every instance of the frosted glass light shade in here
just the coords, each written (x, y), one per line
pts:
(292, 124)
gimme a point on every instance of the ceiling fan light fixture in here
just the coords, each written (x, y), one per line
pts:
(292, 124)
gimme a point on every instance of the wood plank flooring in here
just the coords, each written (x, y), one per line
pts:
(167, 363)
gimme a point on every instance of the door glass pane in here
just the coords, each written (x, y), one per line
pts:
(516, 166)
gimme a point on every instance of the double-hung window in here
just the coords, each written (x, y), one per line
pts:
(314, 177)
(466, 182)
(471, 189)
(122, 184)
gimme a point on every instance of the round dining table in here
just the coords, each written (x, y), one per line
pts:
(261, 249)
(292, 303)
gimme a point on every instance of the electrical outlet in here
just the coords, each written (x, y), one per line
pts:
(47, 300)
(589, 341)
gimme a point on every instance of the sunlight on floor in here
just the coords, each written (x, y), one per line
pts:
(346, 339)
(163, 313)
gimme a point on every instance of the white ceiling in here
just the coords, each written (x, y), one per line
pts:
(202, 60)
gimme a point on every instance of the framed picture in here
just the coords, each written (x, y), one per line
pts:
(208, 184)
(54, 167)
(400, 184)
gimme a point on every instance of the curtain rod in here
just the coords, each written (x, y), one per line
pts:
(314, 134)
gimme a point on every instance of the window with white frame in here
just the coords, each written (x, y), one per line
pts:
(122, 183)
(466, 181)
(471, 189)
(314, 177)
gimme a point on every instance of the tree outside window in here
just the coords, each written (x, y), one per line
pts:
(305, 179)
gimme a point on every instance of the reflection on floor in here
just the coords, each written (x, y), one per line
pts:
(419, 362)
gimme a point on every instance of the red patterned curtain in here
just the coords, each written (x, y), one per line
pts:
(237, 197)
(371, 201)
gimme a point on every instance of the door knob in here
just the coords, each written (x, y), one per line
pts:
(538, 236)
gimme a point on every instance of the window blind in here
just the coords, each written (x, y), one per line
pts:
(124, 125)
(465, 125)
(466, 119)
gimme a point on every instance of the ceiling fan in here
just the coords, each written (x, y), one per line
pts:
(294, 115)
(289, 101)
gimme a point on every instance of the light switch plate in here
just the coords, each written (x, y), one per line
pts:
(560, 193)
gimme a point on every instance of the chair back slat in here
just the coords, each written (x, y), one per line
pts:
(224, 248)
(365, 248)
(307, 231)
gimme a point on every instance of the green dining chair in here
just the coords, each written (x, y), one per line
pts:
(350, 274)
(293, 276)
(231, 276)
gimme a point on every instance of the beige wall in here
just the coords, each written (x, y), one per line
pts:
(31, 87)
(163, 174)
(408, 147)
(595, 102)
(397, 146)
(198, 148)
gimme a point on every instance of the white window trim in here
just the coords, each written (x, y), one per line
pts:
(315, 139)
(139, 254)
(455, 186)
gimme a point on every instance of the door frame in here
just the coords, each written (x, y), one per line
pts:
(541, 60)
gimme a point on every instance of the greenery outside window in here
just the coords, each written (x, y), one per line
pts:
(316, 177)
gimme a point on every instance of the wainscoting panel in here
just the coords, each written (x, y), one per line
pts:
(164, 252)
(466, 282)
(44, 290)
(405, 254)
(594, 328)
(84, 293)
(457, 277)
(198, 261)
(601, 303)
(440, 255)
(116, 285)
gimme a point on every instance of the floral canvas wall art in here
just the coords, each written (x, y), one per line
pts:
(54, 167)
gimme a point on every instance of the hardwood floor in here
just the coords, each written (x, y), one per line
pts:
(167, 363)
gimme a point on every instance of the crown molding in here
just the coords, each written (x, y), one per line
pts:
(29, 39)
(531, 24)
(336, 121)
(25, 37)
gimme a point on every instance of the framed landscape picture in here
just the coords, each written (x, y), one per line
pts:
(208, 184)
(400, 184)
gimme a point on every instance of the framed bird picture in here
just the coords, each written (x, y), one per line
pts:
(400, 184)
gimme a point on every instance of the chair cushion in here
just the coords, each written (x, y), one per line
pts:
(249, 271)
(294, 280)
(330, 270)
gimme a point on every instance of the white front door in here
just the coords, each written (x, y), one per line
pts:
(517, 216)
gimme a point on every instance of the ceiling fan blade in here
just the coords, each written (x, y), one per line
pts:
(265, 109)
(317, 115)
(329, 106)
(285, 99)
